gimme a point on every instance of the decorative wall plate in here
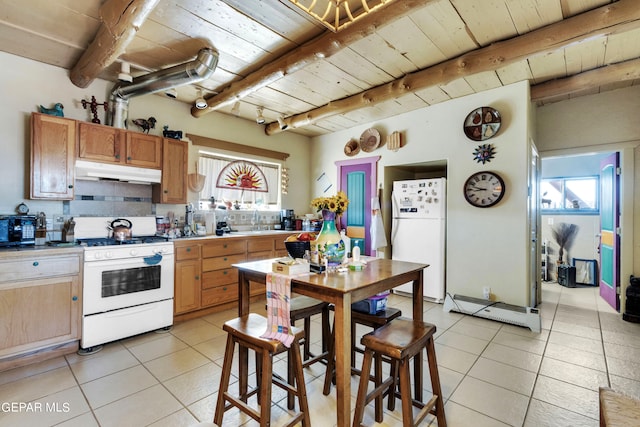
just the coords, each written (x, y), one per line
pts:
(482, 123)
(369, 140)
(484, 153)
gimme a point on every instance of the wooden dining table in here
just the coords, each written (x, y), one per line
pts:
(340, 289)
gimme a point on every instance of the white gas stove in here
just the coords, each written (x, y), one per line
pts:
(127, 285)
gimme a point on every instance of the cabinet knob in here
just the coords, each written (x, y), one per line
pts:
(224, 272)
(70, 186)
(197, 277)
(118, 156)
(188, 249)
(166, 191)
(224, 289)
(36, 263)
(226, 259)
(74, 298)
(129, 158)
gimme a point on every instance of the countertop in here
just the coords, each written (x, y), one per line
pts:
(46, 250)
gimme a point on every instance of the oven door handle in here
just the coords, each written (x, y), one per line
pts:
(153, 260)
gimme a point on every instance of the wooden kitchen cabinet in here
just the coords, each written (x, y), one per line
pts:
(99, 143)
(173, 186)
(40, 304)
(188, 275)
(219, 278)
(107, 144)
(53, 141)
(143, 150)
(212, 259)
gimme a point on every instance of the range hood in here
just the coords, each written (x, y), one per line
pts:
(95, 171)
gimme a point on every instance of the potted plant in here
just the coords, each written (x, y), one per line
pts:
(564, 234)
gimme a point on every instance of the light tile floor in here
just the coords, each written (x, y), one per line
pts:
(493, 374)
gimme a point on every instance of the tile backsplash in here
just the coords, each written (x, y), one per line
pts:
(110, 198)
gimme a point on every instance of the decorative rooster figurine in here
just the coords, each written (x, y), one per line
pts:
(55, 111)
(147, 124)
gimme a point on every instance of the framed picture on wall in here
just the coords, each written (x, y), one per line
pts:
(585, 271)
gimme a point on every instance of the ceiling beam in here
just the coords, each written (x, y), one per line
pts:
(121, 20)
(321, 47)
(599, 22)
(622, 71)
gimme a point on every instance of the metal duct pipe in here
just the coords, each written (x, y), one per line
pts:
(179, 75)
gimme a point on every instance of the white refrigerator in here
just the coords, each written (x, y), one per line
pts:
(418, 231)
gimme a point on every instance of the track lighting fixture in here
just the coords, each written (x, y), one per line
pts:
(200, 103)
(259, 117)
(125, 72)
(236, 109)
(282, 124)
(171, 93)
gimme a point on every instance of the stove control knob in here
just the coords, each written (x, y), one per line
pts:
(97, 255)
(133, 252)
(108, 254)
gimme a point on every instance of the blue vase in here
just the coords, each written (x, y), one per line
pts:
(328, 244)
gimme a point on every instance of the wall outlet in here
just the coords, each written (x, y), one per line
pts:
(550, 221)
(486, 292)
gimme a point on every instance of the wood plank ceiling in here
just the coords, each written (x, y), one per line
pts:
(408, 55)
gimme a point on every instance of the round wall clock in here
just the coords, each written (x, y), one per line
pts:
(484, 189)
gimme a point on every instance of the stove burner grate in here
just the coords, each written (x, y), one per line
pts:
(104, 241)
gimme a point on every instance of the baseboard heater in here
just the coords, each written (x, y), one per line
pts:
(507, 313)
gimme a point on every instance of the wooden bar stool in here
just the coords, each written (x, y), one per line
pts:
(401, 340)
(371, 320)
(303, 308)
(245, 331)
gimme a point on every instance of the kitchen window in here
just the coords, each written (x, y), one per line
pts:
(570, 195)
(211, 164)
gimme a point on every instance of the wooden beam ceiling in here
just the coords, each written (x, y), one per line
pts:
(322, 47)
(121, 20)
(623, 71)
(600, 22)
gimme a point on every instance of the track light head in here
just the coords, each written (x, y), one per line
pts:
(281, 122)
(200, 102)
(259, 117)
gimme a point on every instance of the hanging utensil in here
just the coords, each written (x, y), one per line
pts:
(195, 181)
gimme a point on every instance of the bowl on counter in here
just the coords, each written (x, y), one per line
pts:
(296, 249)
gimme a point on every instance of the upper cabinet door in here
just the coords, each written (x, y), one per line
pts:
(53, 142)
(99, 143)
(143, 150)
(173, 188)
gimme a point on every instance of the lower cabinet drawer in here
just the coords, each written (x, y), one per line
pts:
(39, 267)
(221, 262)
(220, 294)
(219, 277)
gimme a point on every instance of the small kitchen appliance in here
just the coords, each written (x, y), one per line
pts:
(127, 286)
(17, 230)
(288, 219)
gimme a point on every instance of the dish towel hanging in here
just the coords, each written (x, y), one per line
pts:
(378, 238)
(278, 309)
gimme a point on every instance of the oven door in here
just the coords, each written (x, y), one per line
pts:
(114, 284)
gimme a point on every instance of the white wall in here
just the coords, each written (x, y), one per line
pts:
(26, 84)
(485, 247)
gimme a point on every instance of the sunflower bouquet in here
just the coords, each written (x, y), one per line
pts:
(337, 203)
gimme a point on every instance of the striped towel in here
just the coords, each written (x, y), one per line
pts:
(278, 309)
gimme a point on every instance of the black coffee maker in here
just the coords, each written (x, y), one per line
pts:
(288, 219)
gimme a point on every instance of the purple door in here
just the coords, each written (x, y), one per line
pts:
(609, 225)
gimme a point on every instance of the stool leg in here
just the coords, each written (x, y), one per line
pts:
(265, 389)
(435, 382)
(224, 380)
(353, 344)
(307, 334)
(331, 363)
(362, 388)
(326, 331)
(391, 402)
(377, 375)
(405, 393)
(301, 388)
(291, 382)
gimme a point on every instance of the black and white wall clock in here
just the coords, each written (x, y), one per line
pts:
(484, 189)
